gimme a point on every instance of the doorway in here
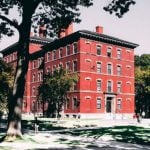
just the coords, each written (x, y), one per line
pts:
(109, 104)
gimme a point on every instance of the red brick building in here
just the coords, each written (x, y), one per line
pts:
(105, 66)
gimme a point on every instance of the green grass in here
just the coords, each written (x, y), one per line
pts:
(127, 134)
(43, 125)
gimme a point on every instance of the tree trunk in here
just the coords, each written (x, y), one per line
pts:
(16, 99)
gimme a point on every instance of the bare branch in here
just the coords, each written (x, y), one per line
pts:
(12, 23)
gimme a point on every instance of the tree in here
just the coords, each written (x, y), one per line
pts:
(57, 15)
(142, 84)
(54, 89)
(6, 80)
(119, 7)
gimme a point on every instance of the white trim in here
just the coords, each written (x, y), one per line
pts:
(87, 97)
(88, 60)
(88, 78)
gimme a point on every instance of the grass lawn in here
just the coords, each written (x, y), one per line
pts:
(126, 134)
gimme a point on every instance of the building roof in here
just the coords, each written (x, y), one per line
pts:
(49, 44)
(89, 35)
(33, 39)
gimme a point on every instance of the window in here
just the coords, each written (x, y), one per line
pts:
(74, 86)
(67, 67)
(33, 91)
(68, 50)
(74, 103)
(109, 53)
(98, 103)
(118, 104)
(99, 67)
(109, 86)
(75, 48)
(10, 57)
(118, 87)
(39, 76)
(75, 66)
(34, 64)
(24, 104)
(54, 68)
(67, 103)
(109, 69)
(14, 56)
(60, 53)
(118, 70)
(98, 50)
(118, 54)
(33, 106)
(48, 69)
(60, 66)
(54, 55)
(48, 56)
(33, 78)
(99, 85)
(39, 62)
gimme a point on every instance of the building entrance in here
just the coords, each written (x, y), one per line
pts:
(109, 104)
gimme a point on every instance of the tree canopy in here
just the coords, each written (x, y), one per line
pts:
(119, 7)
(54, 89)
(6, 81)
(142, 84)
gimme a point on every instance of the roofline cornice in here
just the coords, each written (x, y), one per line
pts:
(91, 36)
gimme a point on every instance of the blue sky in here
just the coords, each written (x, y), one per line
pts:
(133, 27)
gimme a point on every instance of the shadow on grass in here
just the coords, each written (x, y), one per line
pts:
(42, 125)
(127, 134)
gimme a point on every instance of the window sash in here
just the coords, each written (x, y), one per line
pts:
(98, 103)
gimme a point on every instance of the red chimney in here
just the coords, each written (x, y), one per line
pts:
(69, 30)
(99, 29)
(42, 31)
(65, 32)
(62, 33)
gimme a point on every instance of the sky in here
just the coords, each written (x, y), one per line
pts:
(133, 27)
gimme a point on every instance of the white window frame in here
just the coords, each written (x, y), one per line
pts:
(109, 52)
(118, 53)
(119, 70)
(98, 51)
(75, 47)
(98, 103)
(99, 67)
(111, 87)
(109, 70)
(119, 104)
(119, 87)
(99, 85)
(68, 51)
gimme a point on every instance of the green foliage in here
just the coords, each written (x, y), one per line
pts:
(55, 87)
(119, 7)
(143, 60)
(56, 14)
(6, 81)
(142, 84)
